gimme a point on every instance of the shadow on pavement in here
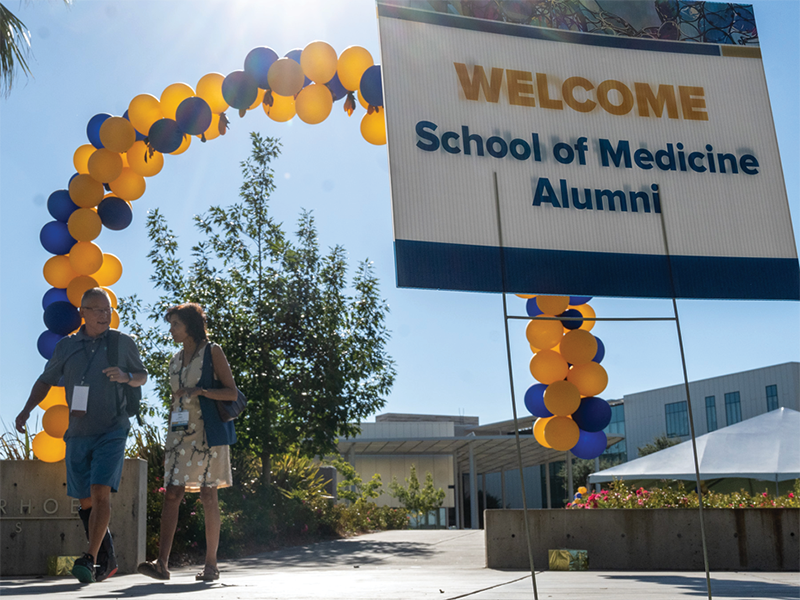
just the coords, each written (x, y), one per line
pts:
(37, 587)
(720, 588)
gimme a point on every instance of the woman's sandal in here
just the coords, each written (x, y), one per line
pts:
(208, 574)
(154, 569)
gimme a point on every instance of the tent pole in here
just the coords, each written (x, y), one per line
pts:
(688, 400)
(511, 384)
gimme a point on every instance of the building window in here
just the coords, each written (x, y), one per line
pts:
(733, 408)
(677, 419)
(772, 397)
(617, 453)
(711, 413)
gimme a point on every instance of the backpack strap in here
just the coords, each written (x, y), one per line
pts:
(112, 348)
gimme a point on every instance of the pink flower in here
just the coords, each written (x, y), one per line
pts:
(791, 495)
(641, 501)
(764, 494)
(162, 490)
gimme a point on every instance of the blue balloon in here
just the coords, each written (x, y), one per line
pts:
(54, 295)
(193, 116)
(593, 414)
(534, 401)
(578, 300)
(165, 136)
(295, 56)
(93, 129)
(371, 86)
(590, 445)
(239, 89)
(115, 213)
(62, 317)
(337, 89)
(55, 238)
(139, 135)
(532, 308)
(74, 175)
(257, 64)
(61, 206)
(47, 343)
(569, 324)
(601, 351)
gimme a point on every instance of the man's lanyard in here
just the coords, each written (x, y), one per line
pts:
(90, 356)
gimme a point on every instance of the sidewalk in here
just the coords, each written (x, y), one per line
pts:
(404, 565)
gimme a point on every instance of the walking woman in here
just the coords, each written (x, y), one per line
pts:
(197, 456)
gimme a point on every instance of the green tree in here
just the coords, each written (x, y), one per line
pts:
(659, 443)
(15, 48)
(419, 501)
(308, 351)
(352, 487)
(581, 469)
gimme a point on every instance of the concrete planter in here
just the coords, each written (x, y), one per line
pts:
(749, 539)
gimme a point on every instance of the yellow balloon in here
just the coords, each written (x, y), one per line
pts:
(48, 449)
(58, 271)
(143, 111)
(543, 333)
(209, 88)
(282, 109)
(361, 100)
(129, 185)
(552, 305)
(285, 77)
(110, 271)
(85, 191)
(78, 286)
(56, 420)
(114, 323)
(351, 66)
(213, 129)
(84, 224)
(187, 139)
(588, 313)
(171, 98)
(538, 430)
(117, 134)
(81, 158)
(525, 296)
(590, 378)
(259, 99)
(582, 490)
(55, 397)
(105, 165)
(548, 366)
(562, 398)
(319, 62)
(314, 103)
(142, 162)
(86, 258)
(125, 164)
(111, 295)
(373, 128)
(578, 346)
(561, 433)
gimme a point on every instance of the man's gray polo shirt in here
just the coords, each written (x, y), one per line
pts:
(80, 358)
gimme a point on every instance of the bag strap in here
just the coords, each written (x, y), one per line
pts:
(207, 374)
(112, 348)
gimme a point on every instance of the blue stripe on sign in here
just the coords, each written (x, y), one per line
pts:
(545, 33)
(433, 265)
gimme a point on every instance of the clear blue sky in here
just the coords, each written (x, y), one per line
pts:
(449, 346)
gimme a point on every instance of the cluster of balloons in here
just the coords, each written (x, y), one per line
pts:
(48, 445)
(566, 363)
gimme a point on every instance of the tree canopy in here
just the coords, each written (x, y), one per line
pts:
(307, 349)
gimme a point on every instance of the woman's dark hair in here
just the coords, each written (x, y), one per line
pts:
(192, 315)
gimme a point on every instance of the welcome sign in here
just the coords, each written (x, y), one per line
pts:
(594, 139)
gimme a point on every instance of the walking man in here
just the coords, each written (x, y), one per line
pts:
(98, 422)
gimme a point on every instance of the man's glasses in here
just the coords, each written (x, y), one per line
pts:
(100, 311)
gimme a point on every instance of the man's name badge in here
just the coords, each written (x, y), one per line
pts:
(80, 400)
(179, 420)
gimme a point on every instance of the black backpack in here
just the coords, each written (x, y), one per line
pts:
(129, 399)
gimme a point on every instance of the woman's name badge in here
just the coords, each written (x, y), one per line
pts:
(80, 400)
(179, 420)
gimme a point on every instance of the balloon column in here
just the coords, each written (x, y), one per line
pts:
(566, 364)
(123, 151)
(48, 445)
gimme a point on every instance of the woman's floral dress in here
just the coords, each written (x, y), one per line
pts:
(189, 461)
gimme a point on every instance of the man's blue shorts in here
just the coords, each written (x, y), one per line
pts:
(95, 460)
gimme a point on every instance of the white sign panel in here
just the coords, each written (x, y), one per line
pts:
(594, 140)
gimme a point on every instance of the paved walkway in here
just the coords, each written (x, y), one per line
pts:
(406, 565)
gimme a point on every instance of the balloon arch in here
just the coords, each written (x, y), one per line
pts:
(123, 151)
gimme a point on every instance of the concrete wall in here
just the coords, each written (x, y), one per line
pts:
(38, 519)
(754, 539)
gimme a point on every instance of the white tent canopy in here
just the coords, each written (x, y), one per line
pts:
(766, 447)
